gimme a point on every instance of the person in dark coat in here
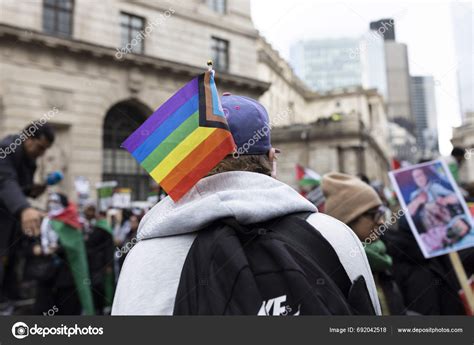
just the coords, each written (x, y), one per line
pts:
(365, 218)
(47, 264)
(467, 258)
(130, 238)
(429, 286)
(100, 255)
(18, 154)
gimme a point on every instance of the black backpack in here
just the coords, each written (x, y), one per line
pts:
(281, 267)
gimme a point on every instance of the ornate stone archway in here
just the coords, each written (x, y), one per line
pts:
(118, 165)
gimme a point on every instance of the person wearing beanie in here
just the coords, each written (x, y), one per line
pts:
(242, 187)
(358, 205)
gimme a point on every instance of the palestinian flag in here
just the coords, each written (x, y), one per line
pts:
(68, 228)
(307, 177)
(69, 217)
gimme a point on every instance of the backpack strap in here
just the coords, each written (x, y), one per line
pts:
(356, 292)
(311, 242)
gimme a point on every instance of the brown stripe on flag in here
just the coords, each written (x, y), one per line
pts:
(209, 109)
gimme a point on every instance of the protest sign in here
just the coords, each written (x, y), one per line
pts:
(82, 187)
(437, 214)
(122, 198)
(435, 209)
(105, 191)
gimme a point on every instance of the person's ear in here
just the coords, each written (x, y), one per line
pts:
(273, 160)
(272, 154)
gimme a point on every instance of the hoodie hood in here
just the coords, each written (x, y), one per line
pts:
(248, 197)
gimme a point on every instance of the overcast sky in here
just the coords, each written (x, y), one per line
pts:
(425, 26)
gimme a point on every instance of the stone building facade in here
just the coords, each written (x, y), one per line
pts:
(342, 130)
(100, 68)
(72, 56)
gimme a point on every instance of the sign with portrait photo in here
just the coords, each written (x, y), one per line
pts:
(434, 207)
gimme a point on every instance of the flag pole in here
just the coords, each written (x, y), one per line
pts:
(210, 67)
(462, 278)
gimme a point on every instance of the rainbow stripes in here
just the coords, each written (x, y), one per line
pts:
(184, 138)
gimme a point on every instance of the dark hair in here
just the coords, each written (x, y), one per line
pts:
(126, 214)
(253, 163)
(457, 152)
(44, 130)
(63, 199)
(454, 235)
(364, 178)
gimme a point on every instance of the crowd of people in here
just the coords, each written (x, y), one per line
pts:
(60, 259)
(239, 242)
(71, 266)
(407, 283)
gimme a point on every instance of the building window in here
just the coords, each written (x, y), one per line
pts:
(131, 31)
(57, 17)
(291, 112)
(219, 6)
(220, 54)
(371, 117)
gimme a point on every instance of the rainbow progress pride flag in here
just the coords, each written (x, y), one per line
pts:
(183, 139)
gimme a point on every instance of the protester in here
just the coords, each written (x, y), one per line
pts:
(429, 286)
(364, 178)
(358, 205)
(114, 218)
(121, 232)
(100, 255)
(467, 258)
(18, 154)
(58, 262)
(455, 161)
(238, 187)
(129, 238)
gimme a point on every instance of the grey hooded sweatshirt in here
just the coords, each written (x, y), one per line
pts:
(151, 272)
